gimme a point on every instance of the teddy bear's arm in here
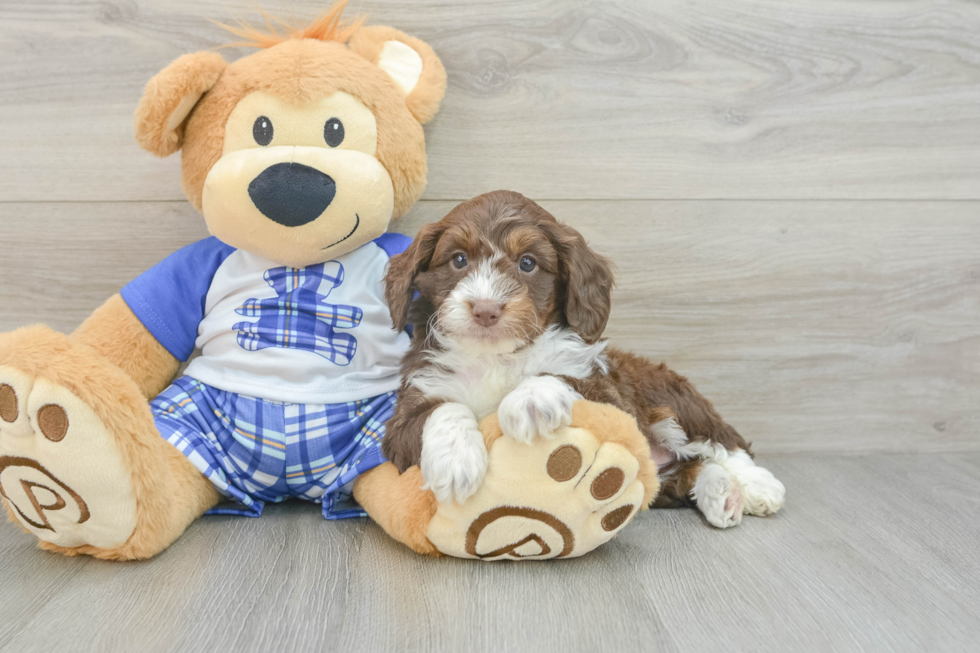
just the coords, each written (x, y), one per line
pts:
(150, 327)
(115, 332)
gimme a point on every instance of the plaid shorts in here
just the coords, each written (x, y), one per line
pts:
(256, 451)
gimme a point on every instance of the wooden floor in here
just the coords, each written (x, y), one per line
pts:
(872, 553)
(791, 194)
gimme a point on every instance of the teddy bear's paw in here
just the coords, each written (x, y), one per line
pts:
(61, 475)
(558, 497)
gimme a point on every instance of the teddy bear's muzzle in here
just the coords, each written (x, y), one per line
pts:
(292, 194)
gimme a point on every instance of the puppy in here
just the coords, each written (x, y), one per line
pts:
(509, 306)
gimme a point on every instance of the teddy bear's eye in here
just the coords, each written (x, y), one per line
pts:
(333, 132)
(262, 130)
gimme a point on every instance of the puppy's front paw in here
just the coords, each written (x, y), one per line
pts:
(538, 406)
(454, 456)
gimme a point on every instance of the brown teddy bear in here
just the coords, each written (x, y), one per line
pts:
(298, 156)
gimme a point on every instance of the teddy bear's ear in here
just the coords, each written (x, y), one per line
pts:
(169, 98)
(410, 62)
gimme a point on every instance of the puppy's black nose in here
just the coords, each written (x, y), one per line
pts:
(292, 194)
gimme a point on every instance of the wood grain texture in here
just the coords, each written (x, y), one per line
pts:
(813, 326)
(555, 98)
(874, 553)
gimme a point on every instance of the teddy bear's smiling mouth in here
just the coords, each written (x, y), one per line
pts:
(357, 223)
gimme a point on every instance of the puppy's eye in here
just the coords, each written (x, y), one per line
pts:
(262, 131)
(527, 264)
(459, 260)
(333, 132)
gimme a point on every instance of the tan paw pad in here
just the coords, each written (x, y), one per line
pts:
(8, 403)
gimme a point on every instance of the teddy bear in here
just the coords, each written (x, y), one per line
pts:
(298, 156)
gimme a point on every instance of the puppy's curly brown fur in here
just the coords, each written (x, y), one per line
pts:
(571, 288)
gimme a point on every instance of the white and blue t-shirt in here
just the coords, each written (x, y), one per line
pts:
(315, 335)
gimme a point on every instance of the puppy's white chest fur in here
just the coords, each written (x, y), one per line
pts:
(481, 380)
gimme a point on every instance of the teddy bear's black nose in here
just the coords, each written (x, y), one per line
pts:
(292, 194)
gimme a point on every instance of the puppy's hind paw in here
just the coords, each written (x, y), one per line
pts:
(718, 495)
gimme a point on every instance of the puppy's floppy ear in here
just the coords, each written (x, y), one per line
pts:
(413, 65)
(169, 98)
(402, 269)
(588, 282)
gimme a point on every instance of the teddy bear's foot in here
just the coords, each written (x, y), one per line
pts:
(60, 472)
(81, 464)
(556, 497)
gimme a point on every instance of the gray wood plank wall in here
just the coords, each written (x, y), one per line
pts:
(790, 190)
(556, 99)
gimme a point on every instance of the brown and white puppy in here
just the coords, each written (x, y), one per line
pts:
(509, 306)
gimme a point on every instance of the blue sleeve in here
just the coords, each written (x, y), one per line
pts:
(393, 244)
(169, 297)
